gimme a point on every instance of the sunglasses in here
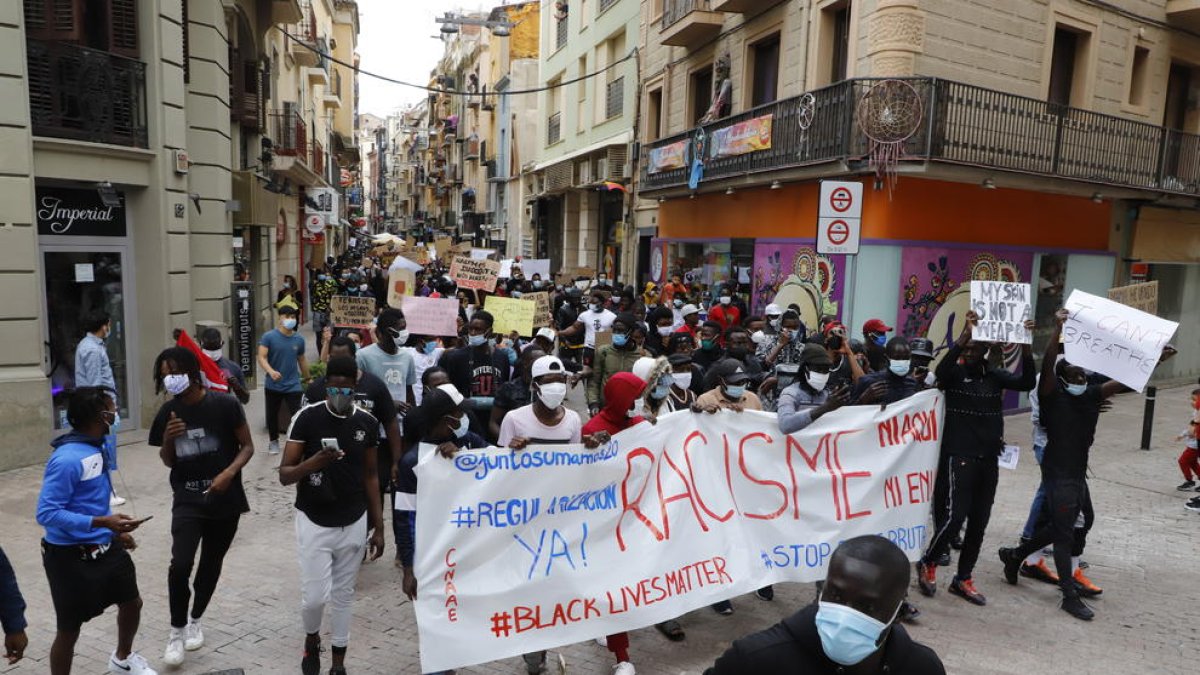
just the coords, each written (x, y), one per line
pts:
(345, 391)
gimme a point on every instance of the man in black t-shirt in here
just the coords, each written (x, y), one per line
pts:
(478, 369)
(203, 438)
(331, 457)
(1069, 410)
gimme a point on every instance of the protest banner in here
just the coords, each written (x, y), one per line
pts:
(511, 314)
(346, 310)
(529, 550)
(442, 245)
(1003, 307)
(541, 315)
(475, 274)
(1142, 297)
(1112, 339)
(431, 316)
(570, 274)
(401, 282)
(532, 266)
(506, 266)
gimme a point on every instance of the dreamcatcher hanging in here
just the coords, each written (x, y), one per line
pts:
(889, 113)
(805, 111)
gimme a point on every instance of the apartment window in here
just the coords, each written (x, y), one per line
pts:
(614, 92)
(700, 84)
(1179, 82)
(554, 121)
(1137, 76)
(654, 108)
(581, 89)
(764, 80)
(839, 62)
(1068, 66)
(560, 30)
(831, 58)
(111, 28)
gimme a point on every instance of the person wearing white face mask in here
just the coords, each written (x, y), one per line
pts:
(891, 384)
(281, 359)
(546, 419)
(853, 629)
(389, 359)
(203, 438)
(212, 346)
(809, 398)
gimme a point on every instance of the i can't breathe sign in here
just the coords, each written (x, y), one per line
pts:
(1003, 308)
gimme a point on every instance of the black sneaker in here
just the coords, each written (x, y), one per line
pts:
(724, 607)
(766, 593)
(1012, 564)
(311, 663)
(1193, 505)
(1072, 605)
(965, 589)
(943, 560)
(909, 613)
(337, 671)
(1186, 486)
(535, 663)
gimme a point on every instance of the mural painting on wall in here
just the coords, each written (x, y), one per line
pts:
(788, 273)
(935, 292)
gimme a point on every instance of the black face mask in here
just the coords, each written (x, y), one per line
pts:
(833, 342)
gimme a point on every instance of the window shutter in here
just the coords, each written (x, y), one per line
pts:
(60, 20)
(122, 27)
(236, 86)
(187, 65)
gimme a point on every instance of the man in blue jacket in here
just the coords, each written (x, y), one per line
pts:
(12, 613)
(86, 548)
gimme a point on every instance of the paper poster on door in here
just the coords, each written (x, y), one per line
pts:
(84, 273)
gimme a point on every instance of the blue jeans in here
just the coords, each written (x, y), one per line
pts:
(1039, 498)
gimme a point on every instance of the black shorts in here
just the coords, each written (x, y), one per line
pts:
(83, 589)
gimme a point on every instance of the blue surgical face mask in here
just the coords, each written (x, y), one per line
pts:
(322, 277)
(1074, 389)
(879, 340)
(620, 339)
(847, 635)
(735, 391)
(677, 303)
(430, 346)
(661, 390)
(462, 429)
(289, 324)
(899, 367)
(476, 340)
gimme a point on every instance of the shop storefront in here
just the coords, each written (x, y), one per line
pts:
(921, 248)
(87, 255)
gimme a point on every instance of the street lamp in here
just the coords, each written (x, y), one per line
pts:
(450, 24)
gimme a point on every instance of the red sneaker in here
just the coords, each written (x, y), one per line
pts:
(927, 578)
(965, 589)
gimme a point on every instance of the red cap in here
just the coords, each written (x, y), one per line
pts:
(876, 326)
(834, 325)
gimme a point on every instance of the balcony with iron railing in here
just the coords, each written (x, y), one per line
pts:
(560, 33)
(687, 23)
(86, 94)
(614, 98)
(289, 134)
(955, 123)
(305, 32)
(333, 92)
(554, 128)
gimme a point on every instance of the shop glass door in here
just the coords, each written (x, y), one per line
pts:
(76, 283)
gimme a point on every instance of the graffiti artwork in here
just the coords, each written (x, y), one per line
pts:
(788, 273)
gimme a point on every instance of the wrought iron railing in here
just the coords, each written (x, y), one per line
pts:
(554, 128)
(674, 10)
(289, 134)
(959, 124)
(86, 94)
(614, 98)
(560, 33)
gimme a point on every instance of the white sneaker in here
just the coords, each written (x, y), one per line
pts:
(173, 656)
(273, 448)
(602, 641)
(116, 500)
(134, 664)
(193, 636)
(624, 668)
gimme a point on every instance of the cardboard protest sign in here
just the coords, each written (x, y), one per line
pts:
(476, 274)
(1142, 297)
(482, 253)
(346, 310)
(1003, 307)
(462, 247)
(1113, 339)
(431, 316)
(532, 266)
(442, 246)
(511, 314)
(558, 544)
(569, 274)
(402, 281)
(419, 255)
(541, 315)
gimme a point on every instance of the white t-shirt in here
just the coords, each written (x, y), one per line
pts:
(524, 423)
(596, 322)
(421, 363)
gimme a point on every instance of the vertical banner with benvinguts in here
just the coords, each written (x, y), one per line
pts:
(524, 550)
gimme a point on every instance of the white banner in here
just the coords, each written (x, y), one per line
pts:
(519, 551)
(1002, 307)
(1110, 338)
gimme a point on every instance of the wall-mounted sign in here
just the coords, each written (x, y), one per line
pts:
(78, 213)
(241, 333)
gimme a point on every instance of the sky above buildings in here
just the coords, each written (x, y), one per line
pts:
(397, 39)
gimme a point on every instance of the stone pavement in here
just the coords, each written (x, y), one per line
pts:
(1143, 550)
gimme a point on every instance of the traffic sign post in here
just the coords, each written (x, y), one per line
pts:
(839, 229)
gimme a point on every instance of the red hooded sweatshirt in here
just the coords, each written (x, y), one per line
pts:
(619, 393)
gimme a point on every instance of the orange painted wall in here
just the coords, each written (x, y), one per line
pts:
(924, 210)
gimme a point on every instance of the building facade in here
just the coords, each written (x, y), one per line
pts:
(132, 145)
(1044, 142)
(577, 189)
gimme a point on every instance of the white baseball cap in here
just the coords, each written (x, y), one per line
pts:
(689, 309)
(773, 310)
(453, 392)
(547, 333)
(547, 365)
